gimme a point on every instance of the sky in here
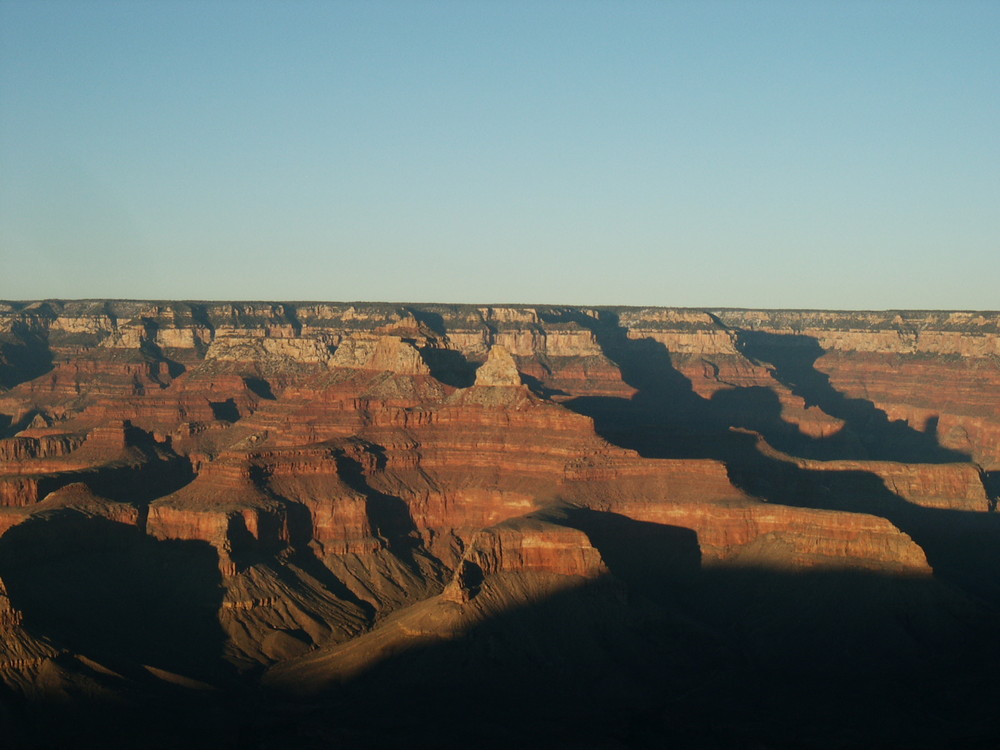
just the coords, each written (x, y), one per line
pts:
(833, 155)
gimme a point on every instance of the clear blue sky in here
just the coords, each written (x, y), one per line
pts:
(759, 154)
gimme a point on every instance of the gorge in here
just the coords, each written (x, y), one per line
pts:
(384, 525)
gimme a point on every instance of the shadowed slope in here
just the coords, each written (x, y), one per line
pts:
(663, 653)
(24, 355)
(868, 433)
(105, 589)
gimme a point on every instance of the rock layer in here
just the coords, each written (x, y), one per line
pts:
(345, 482)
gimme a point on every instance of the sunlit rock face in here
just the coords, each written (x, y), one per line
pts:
(317, 495)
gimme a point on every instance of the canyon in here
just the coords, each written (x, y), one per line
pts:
(308, 524)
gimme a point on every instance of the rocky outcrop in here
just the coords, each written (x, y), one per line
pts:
(381, 353)
(26, 448)
(760, 534)
(498, 369)
(527, 544)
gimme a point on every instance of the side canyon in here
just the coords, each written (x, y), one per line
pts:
(306, 525)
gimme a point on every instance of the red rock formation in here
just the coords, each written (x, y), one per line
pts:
(359, 472)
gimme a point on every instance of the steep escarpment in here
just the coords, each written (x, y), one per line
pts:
(324, 496)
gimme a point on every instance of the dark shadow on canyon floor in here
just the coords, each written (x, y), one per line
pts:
(671, 654)
(710, 659)
(107, 590)
(660, 652)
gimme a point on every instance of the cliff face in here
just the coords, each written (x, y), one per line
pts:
(336, 466)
